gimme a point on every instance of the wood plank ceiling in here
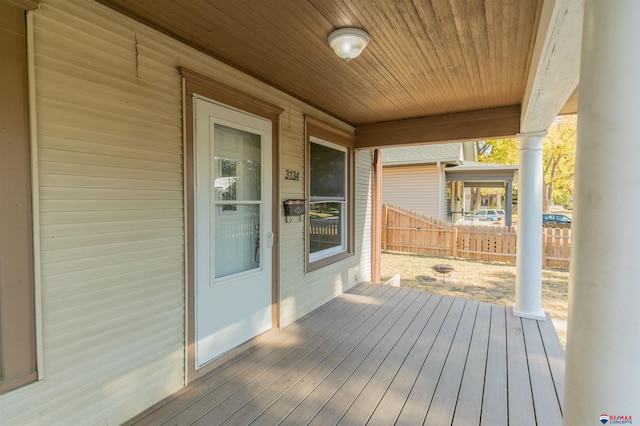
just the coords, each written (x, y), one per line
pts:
(425, 58)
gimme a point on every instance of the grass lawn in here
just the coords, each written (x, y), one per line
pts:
(481, 281)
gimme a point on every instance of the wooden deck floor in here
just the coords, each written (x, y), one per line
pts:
(382, 355)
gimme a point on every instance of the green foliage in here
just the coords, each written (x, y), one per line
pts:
(559, 161)
(558, 158)
(498, 151)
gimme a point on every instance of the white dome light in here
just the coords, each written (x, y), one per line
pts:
(348, 43)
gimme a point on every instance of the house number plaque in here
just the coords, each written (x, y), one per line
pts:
(292, 175)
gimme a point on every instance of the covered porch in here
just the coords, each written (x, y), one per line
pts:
(98, 263)
(384, 355)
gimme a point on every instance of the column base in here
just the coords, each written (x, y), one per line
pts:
(537, 315)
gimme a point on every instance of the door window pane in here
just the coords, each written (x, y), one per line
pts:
(237, 240)
(236, 164)
(237, 207)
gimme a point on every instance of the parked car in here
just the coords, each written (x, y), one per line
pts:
(553, 219)
(488, 215)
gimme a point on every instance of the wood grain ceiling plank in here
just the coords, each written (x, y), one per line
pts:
(529, 19)
(313, 55)
(425, 57)
(379, 85)
(514, 64)
(193, 23)
(389, 27)
(416, 66)
(468, 18)
(394, 65)
(491, 34)
(167, 14)
(448, 49)
(504, 33)
(420, 21)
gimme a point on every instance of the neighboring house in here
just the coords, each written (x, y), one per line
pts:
(413, 177)
(436, 180)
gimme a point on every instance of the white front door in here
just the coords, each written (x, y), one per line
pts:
(233, 238)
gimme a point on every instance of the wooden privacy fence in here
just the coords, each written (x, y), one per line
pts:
(324, 233)
(406, 231)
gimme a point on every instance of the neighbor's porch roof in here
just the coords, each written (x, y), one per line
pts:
(444, 153)
(477, 174)
(383, 355)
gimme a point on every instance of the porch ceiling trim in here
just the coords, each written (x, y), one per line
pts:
(25, 4)
(555, 66)
(481, 124)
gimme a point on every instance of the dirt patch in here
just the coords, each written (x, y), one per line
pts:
(481, 281)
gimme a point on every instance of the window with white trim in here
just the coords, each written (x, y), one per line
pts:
(329, 192)
(328, 204)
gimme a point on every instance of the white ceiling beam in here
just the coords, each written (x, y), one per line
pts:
(555, 65)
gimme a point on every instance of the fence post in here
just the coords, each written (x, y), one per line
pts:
(454, 241)
(384, 227)
(544, 248)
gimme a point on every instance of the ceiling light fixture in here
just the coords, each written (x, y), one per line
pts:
(348, 43)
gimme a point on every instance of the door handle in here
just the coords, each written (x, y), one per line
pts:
(269, 239)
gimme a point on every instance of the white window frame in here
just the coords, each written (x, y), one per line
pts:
(332, 251)
(322, 133)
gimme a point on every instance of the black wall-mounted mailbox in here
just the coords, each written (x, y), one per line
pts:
(294, 208)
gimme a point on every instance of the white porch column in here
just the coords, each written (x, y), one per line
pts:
(603, 346)
(529, 235)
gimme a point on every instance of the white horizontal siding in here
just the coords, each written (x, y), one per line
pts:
(413, 188)
(112, 226)
(293, 282)
(364, 212)
(109, 104)
(300, 293)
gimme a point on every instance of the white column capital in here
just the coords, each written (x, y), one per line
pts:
(531, 141)
(537, 134)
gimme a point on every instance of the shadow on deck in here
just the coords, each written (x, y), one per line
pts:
(384, 355)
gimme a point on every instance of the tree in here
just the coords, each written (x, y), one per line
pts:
(558, 159)
(498, 151)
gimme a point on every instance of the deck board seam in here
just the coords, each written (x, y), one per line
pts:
(466, 361)
(428, 355)
(415, 342)
(409, 336)
(547, 355)
(227, 364)
(371, 349)
(383, 355)
(334, 369)
(336, 347)
(399, 338)
(384, 293)
(309, 338)
(444, 363)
